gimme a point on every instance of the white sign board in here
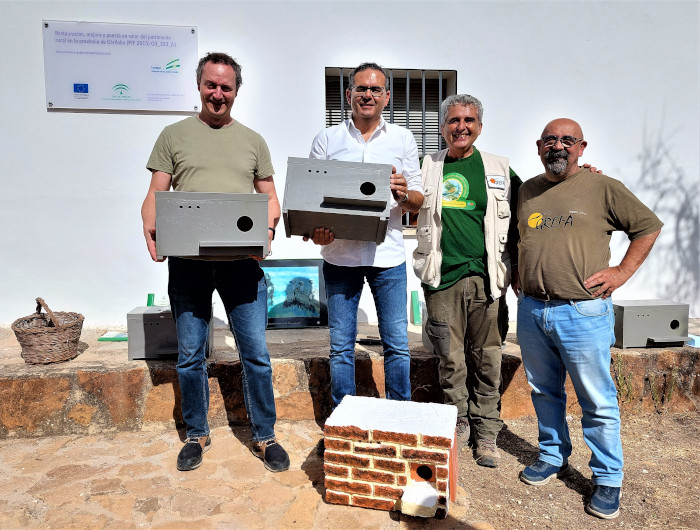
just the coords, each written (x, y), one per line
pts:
(130, 67)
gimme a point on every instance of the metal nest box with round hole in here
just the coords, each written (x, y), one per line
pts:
(650, 323)
(352, 199)
(215, 226)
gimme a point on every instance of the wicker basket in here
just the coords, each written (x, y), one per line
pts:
(48, 340)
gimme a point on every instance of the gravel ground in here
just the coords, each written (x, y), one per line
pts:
(660, 489)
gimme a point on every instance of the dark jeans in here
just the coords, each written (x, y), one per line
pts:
(242, 287)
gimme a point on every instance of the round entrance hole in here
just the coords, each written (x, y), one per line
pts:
(367, 188)
(424, 472)
(675, 324)
(244, 223)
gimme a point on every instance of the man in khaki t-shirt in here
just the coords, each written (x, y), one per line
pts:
(214, 153)
(565, 317)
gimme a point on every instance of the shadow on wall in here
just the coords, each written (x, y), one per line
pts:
(673, 196)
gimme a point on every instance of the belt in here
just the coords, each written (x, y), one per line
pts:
(542, 297)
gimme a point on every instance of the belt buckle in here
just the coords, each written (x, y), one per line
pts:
(541, 298)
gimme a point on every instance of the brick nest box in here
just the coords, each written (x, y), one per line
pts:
(391, 455)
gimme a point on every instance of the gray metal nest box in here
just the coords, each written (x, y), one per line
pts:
(652, 323)
(214, 226)
(352, 199)
(152, 333)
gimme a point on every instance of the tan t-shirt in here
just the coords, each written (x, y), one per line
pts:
(200, 158)
(565, 231)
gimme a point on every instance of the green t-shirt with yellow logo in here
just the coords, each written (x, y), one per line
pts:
(463, 208)
(464, 202)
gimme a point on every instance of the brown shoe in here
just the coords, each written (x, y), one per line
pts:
(462, 431)
(486, 453)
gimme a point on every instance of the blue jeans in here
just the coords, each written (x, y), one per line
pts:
(343, 289)
(242, 287)
(561, 336)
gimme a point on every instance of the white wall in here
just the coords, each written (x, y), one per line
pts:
(73, 183)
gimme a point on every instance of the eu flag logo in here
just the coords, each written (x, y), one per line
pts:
(80, 88)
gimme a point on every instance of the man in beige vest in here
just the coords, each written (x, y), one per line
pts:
(467, 243)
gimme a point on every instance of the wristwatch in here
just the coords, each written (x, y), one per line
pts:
(405, 198)
(273, 232)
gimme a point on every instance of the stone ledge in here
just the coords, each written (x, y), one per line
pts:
(101, 391)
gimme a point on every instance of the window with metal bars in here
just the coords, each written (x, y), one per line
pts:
(415, 101)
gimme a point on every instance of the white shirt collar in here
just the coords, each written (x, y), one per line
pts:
(355, 131)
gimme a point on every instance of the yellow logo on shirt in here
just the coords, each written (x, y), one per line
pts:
(534, 220)
(540, 222)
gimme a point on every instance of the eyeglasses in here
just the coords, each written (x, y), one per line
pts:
(566, 141)
(375, 90)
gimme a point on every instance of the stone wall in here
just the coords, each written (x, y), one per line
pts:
(101, 391)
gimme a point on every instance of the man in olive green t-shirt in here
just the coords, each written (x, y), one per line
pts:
(214, 153)
(565, 316)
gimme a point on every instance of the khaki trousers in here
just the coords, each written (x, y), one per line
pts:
(463, 328)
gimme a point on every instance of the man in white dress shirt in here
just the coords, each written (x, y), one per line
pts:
(367, 137)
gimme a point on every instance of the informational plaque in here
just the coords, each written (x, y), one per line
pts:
(126, 67)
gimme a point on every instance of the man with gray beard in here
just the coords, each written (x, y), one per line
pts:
(565, 316)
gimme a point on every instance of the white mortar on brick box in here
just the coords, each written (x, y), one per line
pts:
(431, 419)
(391, 455)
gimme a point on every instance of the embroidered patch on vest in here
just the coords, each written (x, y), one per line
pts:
(496, 182)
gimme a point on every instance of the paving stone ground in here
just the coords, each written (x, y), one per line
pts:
(129, 480)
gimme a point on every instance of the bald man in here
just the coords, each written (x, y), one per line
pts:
(565, 316)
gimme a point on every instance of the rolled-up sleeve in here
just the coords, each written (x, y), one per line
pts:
(411, 165)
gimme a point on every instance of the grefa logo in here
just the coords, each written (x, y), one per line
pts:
(540, 221)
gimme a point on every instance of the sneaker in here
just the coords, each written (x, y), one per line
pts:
(462, 432)
(321, 448)
(272, 454)
(486, 453)
(540, 472)
(190, 456)
(605, 502)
